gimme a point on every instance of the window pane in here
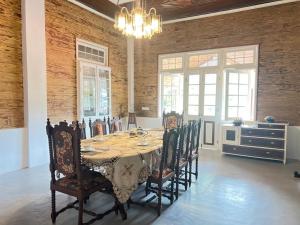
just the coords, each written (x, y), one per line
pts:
(104, 98)
(194, 79)
(210, 89)
(204, 60)
(210, 78)
(232, 112)
(243, 90)
(89, 96)
(233, 89)
(243, 100)
(193, 110)
(210, 100)
(233, 78)
(233, 101)
(194, 90)
(167, 90)
(193, 100)
(244, 79)
(167, 80)
(209, 110)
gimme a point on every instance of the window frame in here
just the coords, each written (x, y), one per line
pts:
(80, 62)
(221, 96)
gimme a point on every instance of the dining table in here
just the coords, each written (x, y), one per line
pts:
(126, 159)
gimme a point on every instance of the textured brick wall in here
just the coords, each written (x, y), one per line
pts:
(276, 29)
(64, 23)
(11, 78)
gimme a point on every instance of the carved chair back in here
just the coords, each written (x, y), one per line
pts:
(116, 125)
(195, 138)
(172, 120)
(131, 119)
(169, 152)
(98, 127)
(82, 127)
(185, 141)
(64, 150)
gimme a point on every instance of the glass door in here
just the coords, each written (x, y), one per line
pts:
(202, 97)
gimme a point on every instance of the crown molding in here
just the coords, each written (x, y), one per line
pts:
(193, 17)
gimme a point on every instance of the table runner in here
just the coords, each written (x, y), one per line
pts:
(122, 161)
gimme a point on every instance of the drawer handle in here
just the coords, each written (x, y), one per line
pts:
(250, 132)
(234, 148)
(272, 142)
(272, 133)
(249, 141)
(268, 153)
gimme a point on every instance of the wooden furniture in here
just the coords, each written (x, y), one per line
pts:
(116, 125)
(68, 176)
(194, 148)
(98, 127)
(172, 120)
(297, 174)
(166, 170)
(261, 140)
(123, 159)
(82, 127)
(183, 157)
(131, 120)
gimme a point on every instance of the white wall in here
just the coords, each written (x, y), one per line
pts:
(13, 154)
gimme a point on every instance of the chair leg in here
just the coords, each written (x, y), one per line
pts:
(172, 190)
(186, 177)
(190, 172)
(53, 201)
(80, 211)
(177, 184)
(159, 198)
(147, 187)
(196, 168)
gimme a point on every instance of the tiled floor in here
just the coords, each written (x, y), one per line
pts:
(229, 191)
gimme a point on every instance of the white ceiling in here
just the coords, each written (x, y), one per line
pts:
(120, 1)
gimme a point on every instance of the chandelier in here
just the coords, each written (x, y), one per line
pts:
(137, 22)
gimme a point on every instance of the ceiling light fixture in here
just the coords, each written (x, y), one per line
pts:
(137, 22)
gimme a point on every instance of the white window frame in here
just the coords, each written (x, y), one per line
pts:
(98, 66)
(221, 106)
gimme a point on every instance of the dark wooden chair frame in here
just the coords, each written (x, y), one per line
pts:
(183, 157)
(166, 116)
(194, 149)
(93, 125)
(159, 190)
(131, 119)
(81, 193)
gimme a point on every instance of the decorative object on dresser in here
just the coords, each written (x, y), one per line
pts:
(297, 174)
(262, 140)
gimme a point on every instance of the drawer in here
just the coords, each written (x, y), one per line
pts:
(254, 152)
(270, 125)
(263, 132)
(262, 142)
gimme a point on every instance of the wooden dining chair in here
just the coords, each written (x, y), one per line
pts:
(166, 171)
(82, 127)
(194, 150)
(68, 176)
(116, 125)
(183, 157)
(131, 120)
(98, 127)
(172, 120)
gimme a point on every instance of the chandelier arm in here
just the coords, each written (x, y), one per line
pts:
(124, 9)
(153, 10)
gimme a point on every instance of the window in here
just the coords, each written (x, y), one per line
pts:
(240, 88)
(172, 92)
(217, 84)
(240, 57)
(206, 60)
(172, 63)
(210, 91)
(94, 86)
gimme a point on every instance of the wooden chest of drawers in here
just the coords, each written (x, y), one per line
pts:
(264, 140)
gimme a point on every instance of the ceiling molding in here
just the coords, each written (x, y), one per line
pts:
(230, 11)
(193, 17)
